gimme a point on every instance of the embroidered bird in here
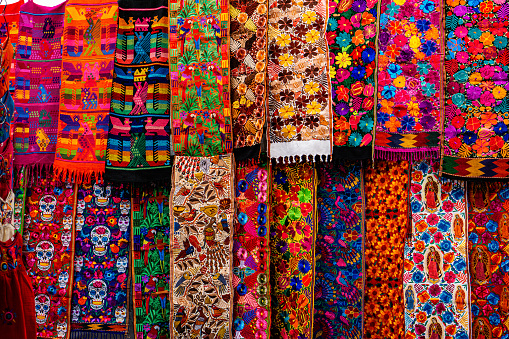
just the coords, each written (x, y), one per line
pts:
(184, 29)
(180, 288)
(148, 241)
(180, 319)
(347, 215)
(198, 323)
(188, 250)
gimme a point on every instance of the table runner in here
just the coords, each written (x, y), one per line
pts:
(139, 134)
(339, 287)
(386, 189)
(248, 67)
(252, 312)
(436, 274)
(48, 248)
(101, 261)
(10, 28)
(292, 250)
(151, 264)
(488, 208)
(88, 45)
(36, 96)
(201, 212)
(199, 69)
(299, 101)
(351, 35)
(476, 67)
(409, 80)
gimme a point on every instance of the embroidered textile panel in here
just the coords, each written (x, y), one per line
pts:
(386, 190)
(48, 249)
(436, 275)
(202, 209)
(10, 28)
(251, 250)
(292, 249)
(409, 80)
(299, 101)
(488, 208)
(476, 67)
(248, 67)
(339, 287)
(139, 134)
(151, 264)
(199, 70)
(101, 260)
(36, 95)
(351, 34)
(88, 46)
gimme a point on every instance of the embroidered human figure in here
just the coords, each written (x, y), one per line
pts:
(431, 194)
(434, 265)
(140, 98)
(435, 330)
(480, 263)
(459, 299)
(503, 227)
(458, 227)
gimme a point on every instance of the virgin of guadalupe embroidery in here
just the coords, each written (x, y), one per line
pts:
(431, 195)
(482, 329)
(480, 262)
(435, 330)
(434, 265)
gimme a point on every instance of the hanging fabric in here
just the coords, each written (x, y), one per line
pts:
(9, 29)
(88, 48)
(139, 134)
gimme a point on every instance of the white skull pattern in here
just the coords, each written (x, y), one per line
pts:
(80, 222)
(66, 238)
(78, 263)
(100, 237)
(26, 238)
(61, 329)
(125, 206)
(97, 290)
(63, 278)
(123, 223)
(17, 222)
(67, 222)
(76, 313)
(42, 304)
(80, 206)
(120, 314)
(45, 252)
(102, 195)
(122, 264)
(47, 206)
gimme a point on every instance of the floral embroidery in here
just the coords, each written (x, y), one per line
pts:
(386, 216)
(292, 250)
(435, 279)
(488, 228)
(202, 241)
(251, 253)
(339, 253)
(103, 222)
(48, 250)
(476, 66)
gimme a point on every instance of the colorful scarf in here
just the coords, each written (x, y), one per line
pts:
(6, 57)
(248, 67)
(488, 226)
(202, 241)
(101, 261)
(19, 189)
(299, 100)
(351, 34)
(10, 28)
(37, 93)
(199, 69)
(251, 313)
(151, 265)
(339, 286)
(48, 249)
(435, 280)
(292, 250)
(139, 135)
(386, 187)
(6, 148)
(88, 51)
(409, 80)
(477, 68)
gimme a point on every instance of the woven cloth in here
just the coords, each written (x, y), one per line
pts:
(299, 99)
(351, 34)
(101, 260)
(48, 249)
(10, 28)
(339, 286)
(476, 67)
(38, 71)
(6, 148)
(292, 250)
(436, 275)
(139, 134)
(90, 33)
(151, 264)
(488, 227)
(6, 61)
(199, 71)
(409, 80)
(386, 191)
(251, 313)
(201, 274)
(248, 67)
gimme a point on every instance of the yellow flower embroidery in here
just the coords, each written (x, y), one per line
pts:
(289, 131)
(311, 87)
(343, 60)
(283, 39)
(312, 36)
(313, 107)
(309, 17)
(286, 60)
(286, 112)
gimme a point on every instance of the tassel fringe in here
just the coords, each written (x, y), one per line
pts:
(408, 155)
(79, 334)
(79, 175)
